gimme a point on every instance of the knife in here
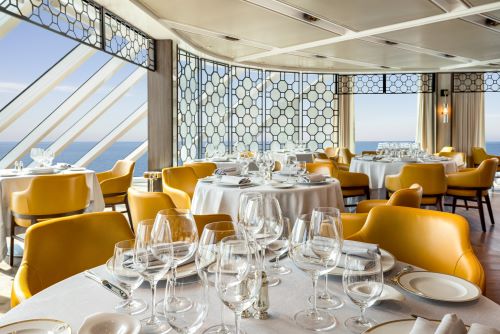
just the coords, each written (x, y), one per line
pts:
(107, 284)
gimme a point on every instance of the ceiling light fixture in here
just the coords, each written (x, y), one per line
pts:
(391, 43)
(309, 18)
(447, 55)
(232, 38)
(491, 23)
(320, 56)
(385, 67)
(445, 93)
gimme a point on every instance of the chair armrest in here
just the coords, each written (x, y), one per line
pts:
(114, 185)
(468, 179)
(393, 182)
(349, 179)
(20, 290)
(180, 198)
(366, 205)
(352, 223)
(103, 175)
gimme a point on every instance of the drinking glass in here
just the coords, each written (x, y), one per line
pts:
(250, 224)
(48, 157)
(315, 248)
(301, 167)
(280, 247)
(238, 279)
(363, 282)
(149, 266)
(181, 224)
(122, 268)
(188, 321)
(36, 154)
(326, 299)
(206, 261)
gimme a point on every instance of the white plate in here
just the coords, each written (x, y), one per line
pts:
(37, 326)
(439, 287)
(283, 185)
(208, 179)
(393, 327)
(388, 262)
(76, 169)
(40, 170)
(320, 183)
(110, 323)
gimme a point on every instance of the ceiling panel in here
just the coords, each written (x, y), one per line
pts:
(455, 37)
(220, 46)
(353, 13)
(495, 14)
(238, 18)
(306, 63)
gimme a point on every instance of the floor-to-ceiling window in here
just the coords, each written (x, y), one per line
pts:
(492, 120)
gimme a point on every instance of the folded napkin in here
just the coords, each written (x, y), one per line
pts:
(358, 247)
(423, 326)
(227, 171)
(311, 178)
(482, 329)
(451, 324)
(235, 179)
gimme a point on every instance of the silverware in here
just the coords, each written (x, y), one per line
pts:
(107, 285)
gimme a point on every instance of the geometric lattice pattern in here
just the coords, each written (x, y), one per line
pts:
(361, 84)
(214, 107)
(82, 20)
(320, 113)
(476, 82)
(187, 107)
(396, 83)
(246, 106)
(282, 110)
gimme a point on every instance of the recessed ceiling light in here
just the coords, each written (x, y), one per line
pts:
(309, 18)
(231, 38)
(385, 67)
(391, 43)
(447, 55)
(491, 23)
(320, 56)
(494, 64)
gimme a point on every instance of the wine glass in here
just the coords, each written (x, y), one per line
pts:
(36, 154)
(325, 299)
(149, 266)
(238, 279)
(363, 282)
(206, 261)
(315, 248)
(48, 157)
(181, 224)
(188, 321)
(122, 268)
(249, 223)
(280, 247)
(301, 167)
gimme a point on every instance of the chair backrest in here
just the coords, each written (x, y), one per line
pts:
(52, 195)
(183, 178)
(332, 152)
(202, 169)
(478, 155)
(59, 248)
(346, 155)
(431, 177)
(324, 168)
(447, 149)
(486, 172)
(435, 241)
(119, 177)
(369, 153)
(409, 197)
(123, 167)
(320, 155)
(459, 157)
(145, 205)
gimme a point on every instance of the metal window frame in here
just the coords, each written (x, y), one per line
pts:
(476, 82)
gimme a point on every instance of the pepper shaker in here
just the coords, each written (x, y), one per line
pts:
(261, 305)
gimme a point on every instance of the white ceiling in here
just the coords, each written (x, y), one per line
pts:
(274, 33)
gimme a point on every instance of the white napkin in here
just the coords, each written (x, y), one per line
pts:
(234, 179)
(451, 324)
(423, 326)
(314, 177)
(358, 248)
(482, 329)
(227, 171)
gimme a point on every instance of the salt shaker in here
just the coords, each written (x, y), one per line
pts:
(261, 305)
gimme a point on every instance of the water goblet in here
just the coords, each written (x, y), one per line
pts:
(279, 247)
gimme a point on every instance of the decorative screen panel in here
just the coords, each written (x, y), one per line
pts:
(282, 108)
(320, 113)
(214, 107)
(476, 82)
(361, 84)
(187, 107)
(246, 108)
(408, 83)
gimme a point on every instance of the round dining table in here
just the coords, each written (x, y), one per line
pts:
(77, 297)
(377, 170)
(209, 198)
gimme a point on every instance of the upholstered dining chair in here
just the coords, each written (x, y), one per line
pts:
(479, 154)
(145, 205)
(332, 152)
(47, 196)
(369, 153)
(179, 183)
(115, 183)
(59, 248)
(346, 156)
(447, 149)
(459, 157)
(415, 236)
(474, 185)
(431, 177)
(320, 155)
(410, 197)
(202, 169)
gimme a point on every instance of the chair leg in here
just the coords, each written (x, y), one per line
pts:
(439, 203)
(113, 207)
(129, 215)
(490, 211)
(367, 192)
(454, 205)
(480, 207)
(12, 233)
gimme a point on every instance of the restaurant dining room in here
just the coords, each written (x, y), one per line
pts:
(249, 166)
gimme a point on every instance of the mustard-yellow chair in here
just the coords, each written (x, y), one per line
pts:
(447, 149)
(474, 185)
(352, 223)
(369, 153)
(332, 152)
(409, 197)
(431, 177)
(145, 205)
(202, 169)
(47, 196)
(179, 183)
(346, 156)
(59, 248)
(434, 241)
(320, 155)
(459, 157)
(115, 183)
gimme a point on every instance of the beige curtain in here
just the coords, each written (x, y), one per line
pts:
(346, 121)
(468, 121)
(426, 134)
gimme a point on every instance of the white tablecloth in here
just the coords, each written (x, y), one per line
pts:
(377, 171)
(301, 156)
(75, 298)
(212, 198)
(12, 184)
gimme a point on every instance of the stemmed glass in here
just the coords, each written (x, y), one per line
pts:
(301, 167)
(315, 247)
(238, 279)
(245, 219)
(152, 259)
(206, 261)
(280, 247)
(325, 299)
(121, 266)
(363, 282)
(184, 234)
(36, 155)
(48, 157)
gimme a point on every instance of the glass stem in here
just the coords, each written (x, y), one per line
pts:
(362, 318)
(222, 315)
(153, 300)
(326, 285)
(237, 317)
(315, 285)
(174, 280)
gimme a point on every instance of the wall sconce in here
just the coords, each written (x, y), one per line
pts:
(444, 93)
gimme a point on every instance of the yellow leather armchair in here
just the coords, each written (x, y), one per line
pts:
(346, 155)
(47, 196)
(369, 153)
(352, 223)
(179, 183)
(202, 169)
(474, 185)
(431, 177)
(409, 197)
(459, 157)
(332, 152)
(447, 149)
(59, 248)
(479, 154)
(415, 236)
